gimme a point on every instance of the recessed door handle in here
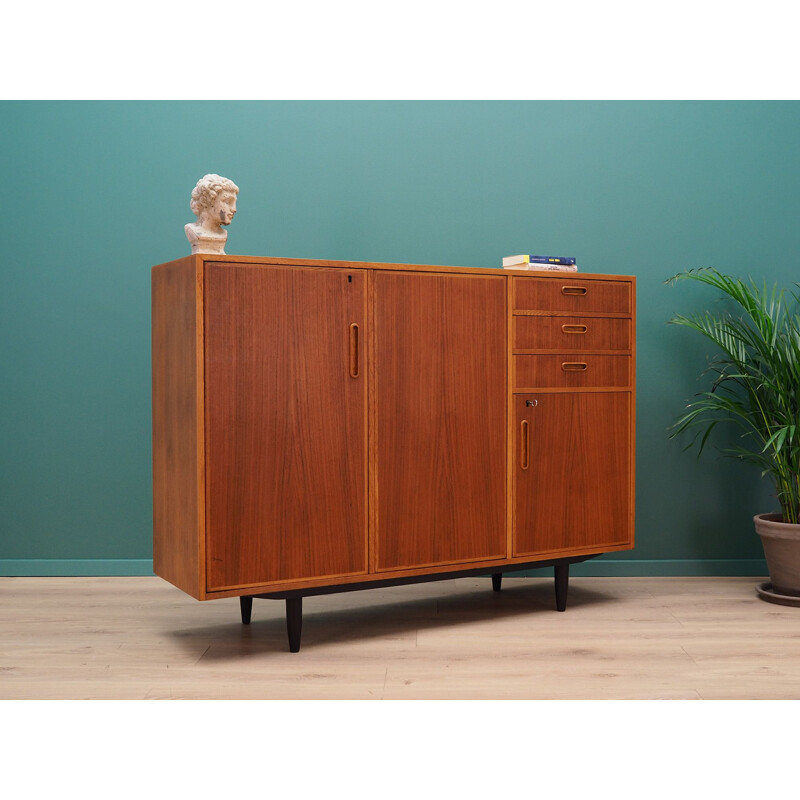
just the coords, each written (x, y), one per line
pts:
(574, 366)
(524, 450)
(354, 354)
(573, 328)
(574, 290)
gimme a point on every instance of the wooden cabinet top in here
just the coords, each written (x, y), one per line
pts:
(327, 264)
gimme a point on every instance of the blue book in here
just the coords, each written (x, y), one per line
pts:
(551, 260)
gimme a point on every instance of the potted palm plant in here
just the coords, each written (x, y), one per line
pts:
(756, 388)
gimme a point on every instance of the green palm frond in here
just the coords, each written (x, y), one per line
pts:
(756, 383)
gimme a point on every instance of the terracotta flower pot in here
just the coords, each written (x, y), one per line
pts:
(781, 542)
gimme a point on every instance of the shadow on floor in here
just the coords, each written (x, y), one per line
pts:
(377, 613)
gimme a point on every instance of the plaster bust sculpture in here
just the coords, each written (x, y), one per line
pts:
(214, 205)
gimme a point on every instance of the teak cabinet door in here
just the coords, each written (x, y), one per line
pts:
(572, 473)
(439, 447)
(286, 424)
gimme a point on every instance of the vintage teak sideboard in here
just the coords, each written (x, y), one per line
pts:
(324, 426)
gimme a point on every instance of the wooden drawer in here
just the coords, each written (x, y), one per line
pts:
(570, 370)
(571, 333)
(571, 294)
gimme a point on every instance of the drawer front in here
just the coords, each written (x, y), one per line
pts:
(570, 370)
(571, 333)
(571, 294)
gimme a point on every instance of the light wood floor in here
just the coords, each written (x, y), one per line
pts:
(620, 638)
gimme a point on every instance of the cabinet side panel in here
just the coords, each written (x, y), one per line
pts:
(176, 520)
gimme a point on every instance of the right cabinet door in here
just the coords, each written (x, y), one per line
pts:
(573, 471)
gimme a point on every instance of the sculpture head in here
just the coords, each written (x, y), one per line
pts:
(214, 201)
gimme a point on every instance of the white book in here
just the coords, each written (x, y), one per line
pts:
(510, 261)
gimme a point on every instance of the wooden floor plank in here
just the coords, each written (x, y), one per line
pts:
(620, 638)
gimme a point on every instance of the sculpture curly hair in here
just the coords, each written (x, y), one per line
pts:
(207, 189)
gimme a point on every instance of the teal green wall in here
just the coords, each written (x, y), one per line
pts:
(97, 192)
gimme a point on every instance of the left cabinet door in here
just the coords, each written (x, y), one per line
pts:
(285, 424)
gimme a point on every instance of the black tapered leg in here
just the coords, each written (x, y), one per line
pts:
(562, 584)
(246, 605)
(294, 622)
(497, 578)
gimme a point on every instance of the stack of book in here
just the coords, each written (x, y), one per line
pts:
(559, 263)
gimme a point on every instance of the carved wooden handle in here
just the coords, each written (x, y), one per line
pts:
(354, 366)
(524, 449)
(574, 366)
(573, 290)
(573, 328)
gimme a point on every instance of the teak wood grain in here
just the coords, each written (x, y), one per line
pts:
(315, 263)
(573, 293)
(177, 381)
(571, 333)
(440, 362)
(392, 449)
(575, 489)
(571, 370)
(286, 432)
